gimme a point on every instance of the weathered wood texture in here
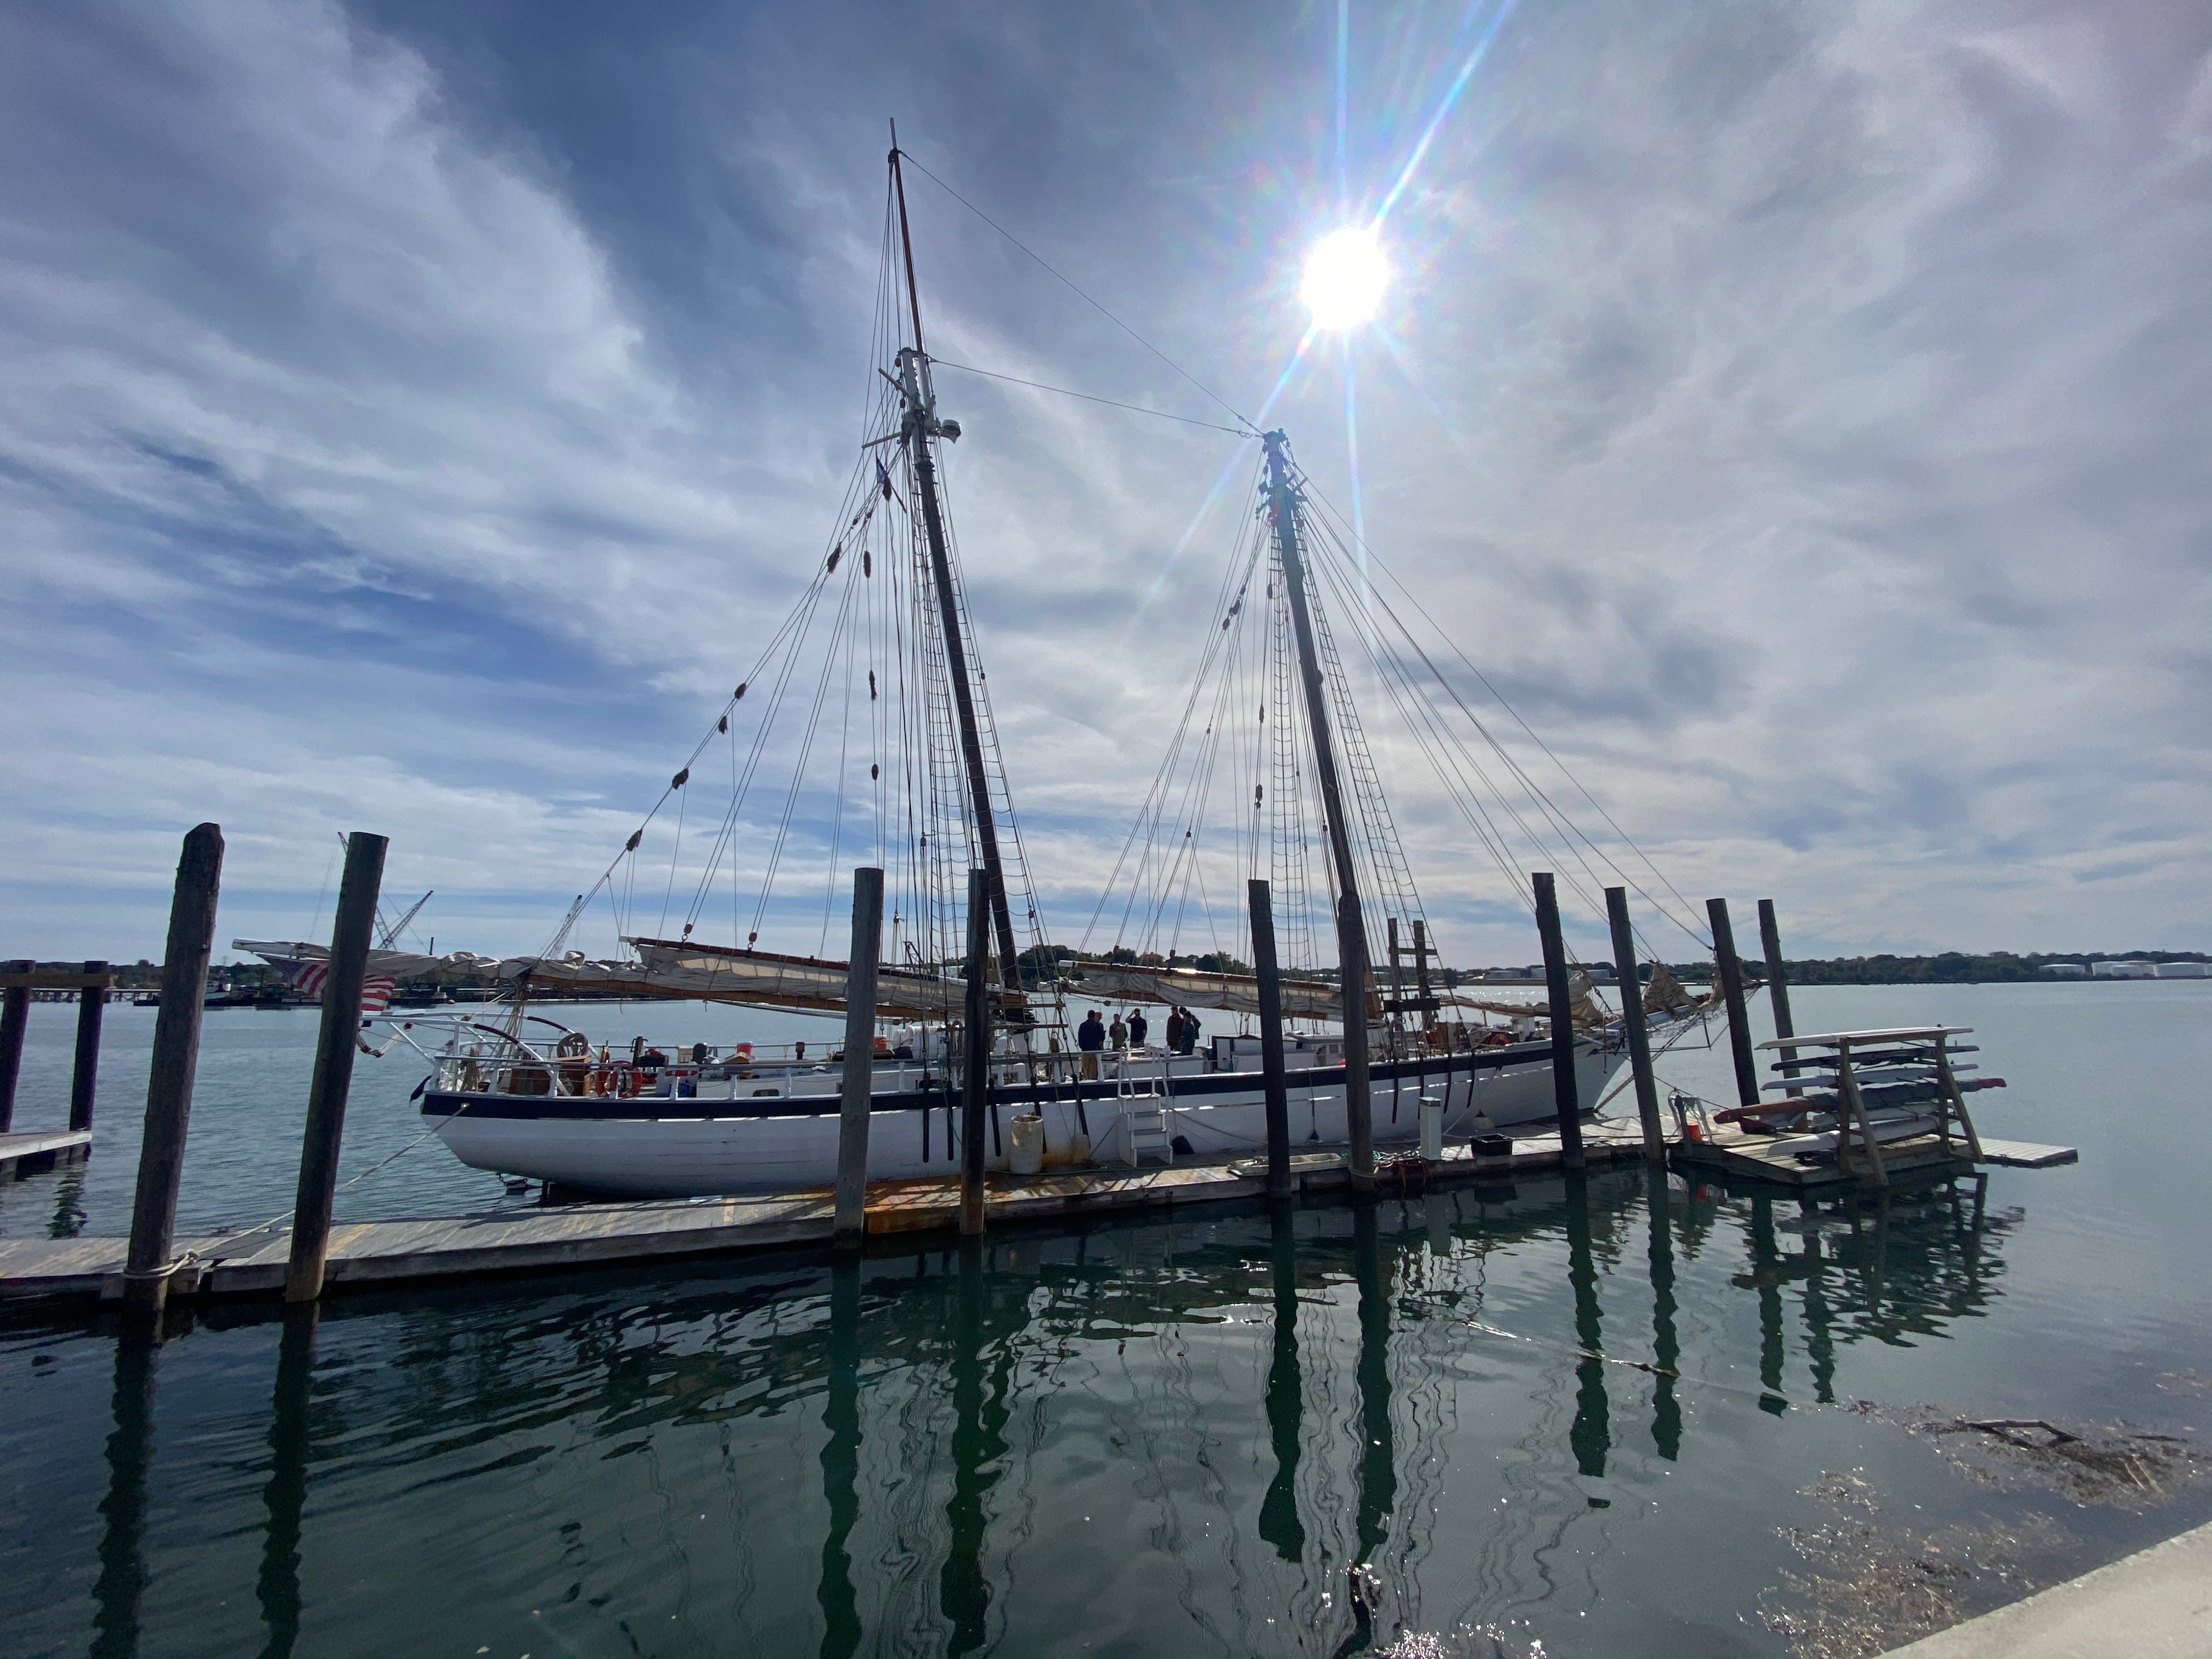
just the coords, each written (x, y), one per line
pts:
(464, 1248)
(1631, 1024)
(1562, 1011)
(84, 1071)
(175, 1063)
(1273, 1080)
(860, 1052)
(350, 937)
(1730, 967)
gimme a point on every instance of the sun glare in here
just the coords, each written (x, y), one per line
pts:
(1346, 274)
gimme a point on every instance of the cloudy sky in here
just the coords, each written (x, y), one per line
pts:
(410, 415)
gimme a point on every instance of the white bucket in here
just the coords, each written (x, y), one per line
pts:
(1025, 1148)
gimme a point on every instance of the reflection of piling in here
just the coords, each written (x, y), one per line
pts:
(170, 1076)
(859, 1083)
(975, 1065)
(1631, 1023)
(1730, 967)
(1279, 1525)
(840, 1451)
(1379, 1466)
(15, 1020)
(84, 1070)
(1591, 1436)
(1563, 1024)
(286, 1494)
(964, 1591)
(1666, 1345)
(121, 1585)
(1271, 1039)
(333, 1076)
(1766, 1278)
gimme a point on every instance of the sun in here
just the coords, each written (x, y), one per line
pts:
(1346, 274)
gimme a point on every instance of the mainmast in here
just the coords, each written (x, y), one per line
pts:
(1351, 929)
(920, 425)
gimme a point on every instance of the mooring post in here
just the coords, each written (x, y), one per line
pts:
(1730, 967)
(852, 1219)
(1564, 1091)
(976, 1068)
(350, 937)
(1270, 1039)
(1778, 982)
(84, 1073)
(15, 1017)
(170, 1076)
(1631, 1024)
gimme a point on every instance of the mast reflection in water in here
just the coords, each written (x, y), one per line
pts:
(1166, 1438)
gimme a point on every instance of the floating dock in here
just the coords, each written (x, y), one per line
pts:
(24, 1153)
(564, 1237)
(1730, 1152)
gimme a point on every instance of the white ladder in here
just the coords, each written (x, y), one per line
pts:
(1148, 1129)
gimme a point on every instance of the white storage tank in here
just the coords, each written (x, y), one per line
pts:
(2184, 970)
(2126, 970)
(2065, 970)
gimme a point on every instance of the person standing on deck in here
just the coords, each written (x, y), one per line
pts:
(1090, 1037)
(1139, 1028)
(1174, 1036)
(1189, 1036)
(1117, 1034)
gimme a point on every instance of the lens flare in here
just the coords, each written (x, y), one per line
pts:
(1346, 274)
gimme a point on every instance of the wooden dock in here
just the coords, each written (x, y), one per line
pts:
(1742, 1156)
(565, 1238)
(23, 1153)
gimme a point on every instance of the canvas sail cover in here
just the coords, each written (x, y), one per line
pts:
(710, 972)
(1303, 998)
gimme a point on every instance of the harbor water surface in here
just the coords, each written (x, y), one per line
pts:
(1629, 1417)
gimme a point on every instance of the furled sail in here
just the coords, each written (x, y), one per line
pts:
(709, 973)
(1189, 987)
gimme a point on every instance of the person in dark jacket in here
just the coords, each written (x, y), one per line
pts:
(1090, 1036)
(1188, 1037)
(1139, 1028)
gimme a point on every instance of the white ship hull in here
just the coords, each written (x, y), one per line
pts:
(677, 1147)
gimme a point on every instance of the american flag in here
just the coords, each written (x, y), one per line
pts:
(308, 978)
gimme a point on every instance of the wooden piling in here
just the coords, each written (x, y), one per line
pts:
(975, 1067)
(1778, 982)
(84, 1071)
(1631, 1024)
(170, 1076)
(1273, 1080)
(1564, 1090)
(854, 1099)
(14, 1019)
(350, 937)
(1730, 967)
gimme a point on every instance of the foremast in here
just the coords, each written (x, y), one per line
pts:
(919, 426)
(1283, 506)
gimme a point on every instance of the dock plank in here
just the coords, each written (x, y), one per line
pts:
(460, 1248)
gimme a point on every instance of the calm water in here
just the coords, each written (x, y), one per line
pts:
(1159, 1439)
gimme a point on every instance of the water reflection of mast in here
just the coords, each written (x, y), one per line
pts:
(978, 1450)
(841, 1463)
(1279, 1525)
(286, 1494)
(1379, 1473)
(1820, 1319)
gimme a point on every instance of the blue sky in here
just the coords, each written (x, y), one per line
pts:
(409, 414)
